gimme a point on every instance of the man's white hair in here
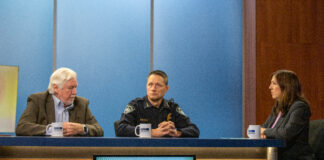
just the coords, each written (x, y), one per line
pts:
(59, 77)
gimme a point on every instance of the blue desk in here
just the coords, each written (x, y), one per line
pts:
(86, 147)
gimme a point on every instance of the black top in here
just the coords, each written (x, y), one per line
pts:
(293, 128)
(141, 110)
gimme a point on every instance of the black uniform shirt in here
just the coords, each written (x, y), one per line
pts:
(141, 110)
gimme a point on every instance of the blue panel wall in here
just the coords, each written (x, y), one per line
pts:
(199, 45)
(107, 44)
(26, 41)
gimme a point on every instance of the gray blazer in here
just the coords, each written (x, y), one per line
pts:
(293, 129)
(40, 112)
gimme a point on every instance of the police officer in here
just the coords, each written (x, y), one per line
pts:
(166, 117)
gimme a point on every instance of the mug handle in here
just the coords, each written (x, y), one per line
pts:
(47, 128)
(136, 129)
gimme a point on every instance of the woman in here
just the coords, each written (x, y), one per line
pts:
(289, 119)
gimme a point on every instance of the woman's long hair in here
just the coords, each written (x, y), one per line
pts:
(290, 90)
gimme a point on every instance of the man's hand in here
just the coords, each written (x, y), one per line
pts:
(71, 129)
(166, 128)
(173, 132)
(161, 130)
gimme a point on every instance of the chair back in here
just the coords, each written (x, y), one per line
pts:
(316, 138)
(116, 123)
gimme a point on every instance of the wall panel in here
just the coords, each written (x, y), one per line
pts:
(199, 45)
(290, 35)
(107, 44)
(26, 41)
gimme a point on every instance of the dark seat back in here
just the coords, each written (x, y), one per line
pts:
(316, 138)
(116, 123)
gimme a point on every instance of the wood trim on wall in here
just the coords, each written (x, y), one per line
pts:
(54, 35)
(152, 35)
(249, 64)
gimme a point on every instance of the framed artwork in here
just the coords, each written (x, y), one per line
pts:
(8, 97)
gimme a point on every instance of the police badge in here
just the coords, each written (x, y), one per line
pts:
(129, 109)
(179, 110)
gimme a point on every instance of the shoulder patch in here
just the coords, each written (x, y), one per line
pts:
(129, 109)
(179, 110)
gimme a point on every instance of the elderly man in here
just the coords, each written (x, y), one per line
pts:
(59, 104)
(165, 116)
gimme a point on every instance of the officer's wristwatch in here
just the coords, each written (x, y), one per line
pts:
(85, 130)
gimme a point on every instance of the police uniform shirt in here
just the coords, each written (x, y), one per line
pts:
(141, 110)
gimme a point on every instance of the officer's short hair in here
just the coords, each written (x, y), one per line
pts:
(160, 73)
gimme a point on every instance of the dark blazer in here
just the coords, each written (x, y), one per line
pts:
(40, 112)
(293, 128)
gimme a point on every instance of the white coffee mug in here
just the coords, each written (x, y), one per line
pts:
(55, 129)
(144, 130)
(253, 132)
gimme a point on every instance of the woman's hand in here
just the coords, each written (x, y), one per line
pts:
(263, 136)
